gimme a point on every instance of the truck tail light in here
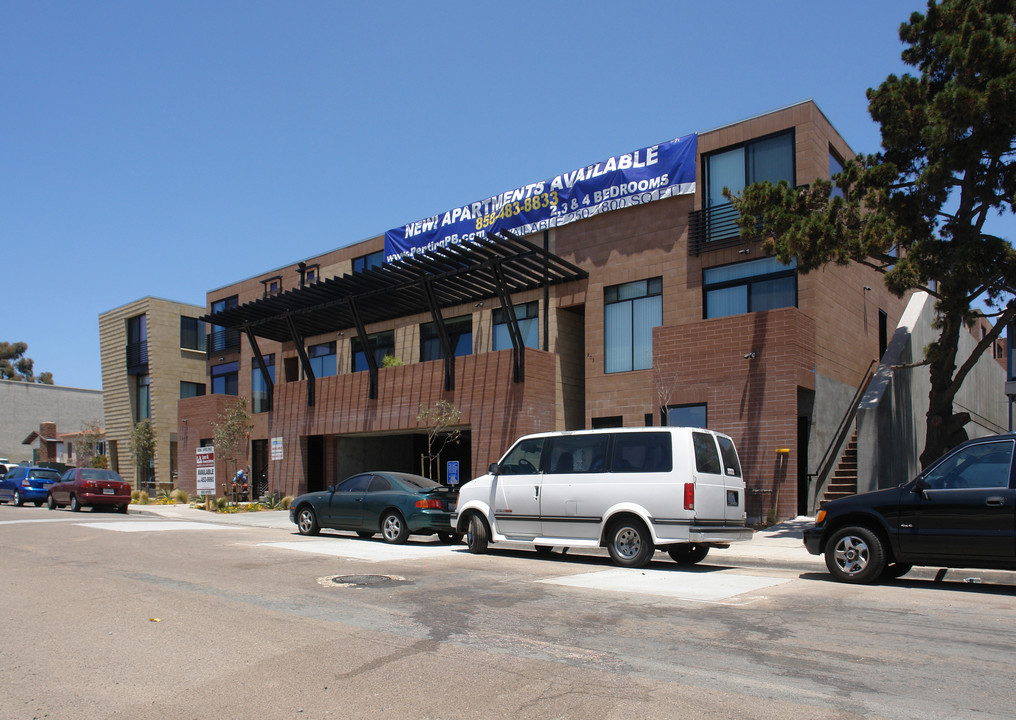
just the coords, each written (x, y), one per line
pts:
(689, 496)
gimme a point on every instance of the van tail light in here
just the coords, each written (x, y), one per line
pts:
(429, 504)
(689, 496)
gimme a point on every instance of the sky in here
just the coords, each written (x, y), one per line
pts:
(174, 147)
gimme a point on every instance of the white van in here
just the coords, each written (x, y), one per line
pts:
(632, 490)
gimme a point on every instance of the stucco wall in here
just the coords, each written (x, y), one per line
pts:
(23, 406)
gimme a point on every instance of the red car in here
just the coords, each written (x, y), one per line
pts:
(93, 487)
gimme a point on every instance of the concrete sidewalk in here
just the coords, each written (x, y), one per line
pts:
(776, 546)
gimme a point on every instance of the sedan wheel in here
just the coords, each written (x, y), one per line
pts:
(75, 505)
(393, 528)
(50, 502)
(306, 521)
(855, 555)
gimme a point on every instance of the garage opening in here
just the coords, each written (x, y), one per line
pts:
(401, 452)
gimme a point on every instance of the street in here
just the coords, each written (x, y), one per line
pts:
(112, 616)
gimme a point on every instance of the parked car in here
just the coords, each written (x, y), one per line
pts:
(631, 490)
(23, 484)
(393, 503)
(90, 487)
(960, 512)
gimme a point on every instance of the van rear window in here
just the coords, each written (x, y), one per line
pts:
(730, 464)
(642, 452)
(707, 460)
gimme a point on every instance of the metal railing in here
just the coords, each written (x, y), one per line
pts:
(137, 357)
(220, 340)
(713, 228)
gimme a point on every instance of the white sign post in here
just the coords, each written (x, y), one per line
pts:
(205, 458)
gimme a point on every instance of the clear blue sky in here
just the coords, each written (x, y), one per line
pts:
(170, 148)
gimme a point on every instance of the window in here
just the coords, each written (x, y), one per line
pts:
(609, 421)
(191, 389)
(192, 334)
(261, 401)
(753, 286)
(137, 329)
(707, 460)
(460, 337)
(883, 332)
(731, 465)
(311, 275)
(366, 262)
(642, 452)
(770, 158)
(223, 339)
(379, 483)
(273, 286)
(524, 458)
(357, 483)
(381, 344)
(528, 317)
(687, 416)
(835, 168)
(985, 465)
(322, 359)
(226, 379)
(137, 345)
(578, 453)
(630, 313)
(142, 406)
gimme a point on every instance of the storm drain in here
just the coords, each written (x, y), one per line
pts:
(361, 581)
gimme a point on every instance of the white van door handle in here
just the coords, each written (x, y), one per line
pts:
(536, 492)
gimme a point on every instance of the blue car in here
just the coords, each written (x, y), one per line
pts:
(24, 484)
(393, 503)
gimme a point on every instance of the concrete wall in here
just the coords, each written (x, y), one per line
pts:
(24, 406)
(892, 414)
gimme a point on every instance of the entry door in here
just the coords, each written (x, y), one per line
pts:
(967, 507)
(518, 485)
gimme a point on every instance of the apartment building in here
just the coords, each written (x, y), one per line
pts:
(153, 354)
(618, 294)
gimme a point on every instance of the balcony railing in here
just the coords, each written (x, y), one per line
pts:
(223, 340)
(713, 228)
(137, 358)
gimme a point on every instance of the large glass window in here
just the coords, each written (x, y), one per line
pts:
(142, 403)
(226, 379)
(191, 389)
(630, 313)
(578, 453)
(192, 334)
(528, 317)
(460, 336)
(223, 339)
(524, 458)
(642, 452)
(381, 344)
(322, 359)
(835, 168)
(687, 416)
(753, 286)
(769, 159)
(366, 262)
(986, 465)
(261, 401)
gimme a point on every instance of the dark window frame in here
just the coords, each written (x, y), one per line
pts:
(611, 296)
(748, 281)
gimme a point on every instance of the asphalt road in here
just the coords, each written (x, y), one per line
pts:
(112, 616)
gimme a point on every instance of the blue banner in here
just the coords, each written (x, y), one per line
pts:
(646, 175)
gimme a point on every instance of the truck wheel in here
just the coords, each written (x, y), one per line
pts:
(477, 536)
(629, 543)
(855, 555)
(688, 553)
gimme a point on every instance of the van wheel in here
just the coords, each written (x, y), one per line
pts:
(688, 553)
(855, 555)
(477, 536)
(629, 543)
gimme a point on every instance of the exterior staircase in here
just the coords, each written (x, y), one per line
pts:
(844, 479)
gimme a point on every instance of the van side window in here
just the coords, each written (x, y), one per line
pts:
(578, 454)
(730, 464)
(707, 460)
(642, 452)
(524, 458)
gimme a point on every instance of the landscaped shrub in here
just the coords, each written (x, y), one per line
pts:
(179, 496)
(220, 503)
(286, 502)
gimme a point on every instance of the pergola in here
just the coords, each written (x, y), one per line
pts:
(494, 266)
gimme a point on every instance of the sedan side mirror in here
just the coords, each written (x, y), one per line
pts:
(494, 469)
(331, 488)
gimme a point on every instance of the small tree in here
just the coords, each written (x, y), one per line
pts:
(440, 422)
(143, 447)
(231, 431)
(85, 444)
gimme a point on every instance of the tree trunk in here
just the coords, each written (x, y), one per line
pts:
(945, 429)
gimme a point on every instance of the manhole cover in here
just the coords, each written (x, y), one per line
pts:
(358, 581)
